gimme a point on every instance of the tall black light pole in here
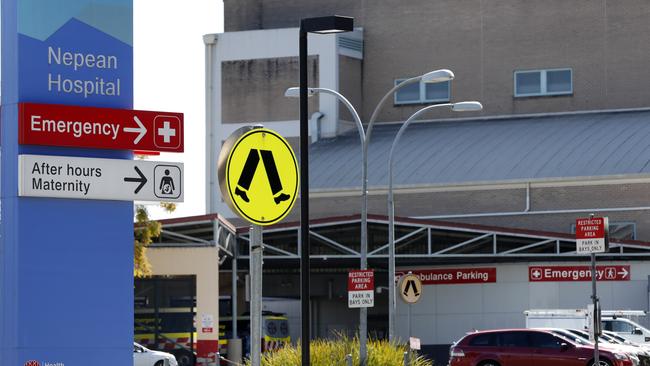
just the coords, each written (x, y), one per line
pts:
(321, 25)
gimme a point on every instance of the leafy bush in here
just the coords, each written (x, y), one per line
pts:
(326, 352)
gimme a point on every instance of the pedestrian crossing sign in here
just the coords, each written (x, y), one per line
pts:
(410, 288)
(259, 176)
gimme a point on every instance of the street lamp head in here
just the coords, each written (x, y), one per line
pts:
(466, 106)
(438, 76)
(327, 25)
(295, 92)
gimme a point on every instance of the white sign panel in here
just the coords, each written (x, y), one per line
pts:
(207, 321)
(414, 343)
(361, 299)
(99, 179)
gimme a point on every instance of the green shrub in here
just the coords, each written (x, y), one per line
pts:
(326, 352)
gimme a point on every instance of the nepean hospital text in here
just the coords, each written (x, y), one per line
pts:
(79, 61)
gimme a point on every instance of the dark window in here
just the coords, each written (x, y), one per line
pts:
(558, 81)
(530, 83)
(607, 325)
(421, 93)
(408, 94)
(436, 91)
(513, 339)
(621, 327)
(545, 340)
(484, 340)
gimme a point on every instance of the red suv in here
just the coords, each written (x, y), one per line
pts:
(527, 347)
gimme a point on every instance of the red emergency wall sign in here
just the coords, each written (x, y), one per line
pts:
(451, 276)
(578, 273)
(361, 289)
(100, 128)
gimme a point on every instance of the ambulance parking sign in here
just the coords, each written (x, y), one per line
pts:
(258, 175)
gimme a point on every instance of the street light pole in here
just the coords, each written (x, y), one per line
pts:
(323, 25)
(436, 76)
(304, 200)
(458, 107)
(363, 312)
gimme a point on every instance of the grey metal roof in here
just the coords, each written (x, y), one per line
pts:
(527, 148)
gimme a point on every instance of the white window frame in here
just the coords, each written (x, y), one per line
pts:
(542, 79)
(422, 99)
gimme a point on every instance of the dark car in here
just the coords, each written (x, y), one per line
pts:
(527, 347)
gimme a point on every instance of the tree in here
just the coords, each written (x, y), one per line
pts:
(145, 230)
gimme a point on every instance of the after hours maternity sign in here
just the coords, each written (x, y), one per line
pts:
(102, 179)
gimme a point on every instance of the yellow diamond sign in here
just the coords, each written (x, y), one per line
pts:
(258, 175)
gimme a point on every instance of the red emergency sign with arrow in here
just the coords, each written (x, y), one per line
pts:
(578, 273)
(100, 128)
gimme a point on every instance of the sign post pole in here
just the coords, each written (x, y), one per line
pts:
(50, 248)
(592, 238)
(410, 289)
(409, 320)
(256, 251)
(258, 179)
(594, 297)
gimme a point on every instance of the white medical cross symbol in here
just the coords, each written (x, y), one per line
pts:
(166, 132)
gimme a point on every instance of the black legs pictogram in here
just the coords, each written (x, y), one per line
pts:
(409, 284)
(247, 174)
(274, 177)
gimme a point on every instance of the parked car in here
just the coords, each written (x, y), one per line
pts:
(638, 355)
(142, 356)
(528, 347)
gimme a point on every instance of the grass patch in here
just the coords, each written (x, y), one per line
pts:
(333, 352)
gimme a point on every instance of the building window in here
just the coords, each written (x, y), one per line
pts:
(421, 93)
(534, 83)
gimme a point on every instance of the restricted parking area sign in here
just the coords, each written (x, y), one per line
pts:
(361, 289)
(592, 235)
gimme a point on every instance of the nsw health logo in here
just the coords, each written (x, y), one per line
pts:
(36, 363)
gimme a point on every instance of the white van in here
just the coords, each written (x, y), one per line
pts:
(616, 321)
(620, 323)
(557, 318)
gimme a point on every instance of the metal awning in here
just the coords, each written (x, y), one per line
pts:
(335, 242)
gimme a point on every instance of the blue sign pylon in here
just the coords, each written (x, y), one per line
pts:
(66, 266)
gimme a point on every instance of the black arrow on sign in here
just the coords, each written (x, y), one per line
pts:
(142, 180)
